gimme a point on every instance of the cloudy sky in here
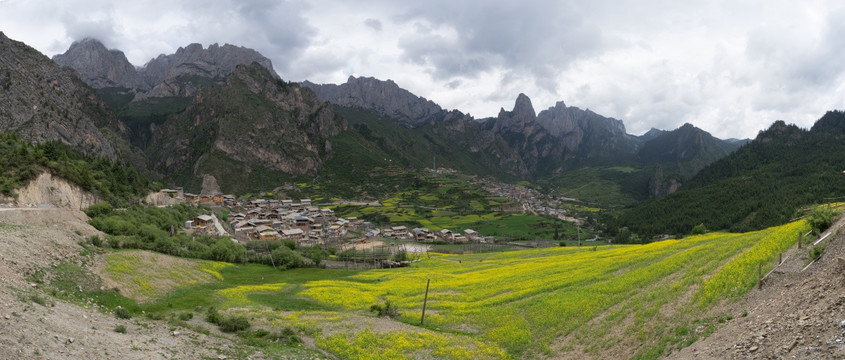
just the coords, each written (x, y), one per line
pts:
(728, 67)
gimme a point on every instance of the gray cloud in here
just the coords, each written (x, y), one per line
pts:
(102, 29)
(374, 24)
(537, 37)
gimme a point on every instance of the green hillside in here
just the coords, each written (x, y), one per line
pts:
(766, 182)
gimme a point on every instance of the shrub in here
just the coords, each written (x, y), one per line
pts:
(120, 329)
(95, 240)
(290, 243)
(122, 313)
(401, 255)
(234, 324)
(114, 241)
(317, 255)
(562, 243)
(285, 258)
(186, 316)
(698, 230)
(98, 209)
(213, 316)
(387, 309)
(815, 252)
(38, 300)
(821, 217)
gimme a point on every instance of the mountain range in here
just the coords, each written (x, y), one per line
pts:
(209, 111)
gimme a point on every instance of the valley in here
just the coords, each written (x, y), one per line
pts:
(201, 206)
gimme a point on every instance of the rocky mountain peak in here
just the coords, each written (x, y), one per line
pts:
(577, 127)
(523, 108)
(103, 68)
(99, 66)
(382, 96)
(651, 134)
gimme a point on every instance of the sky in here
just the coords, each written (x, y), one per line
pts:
(731, 68)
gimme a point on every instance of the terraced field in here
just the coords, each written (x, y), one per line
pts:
(621, 301)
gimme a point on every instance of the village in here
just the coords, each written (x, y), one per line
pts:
(301, 221)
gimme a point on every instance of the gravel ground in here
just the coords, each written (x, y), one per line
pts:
(797, 315)
(33, 239)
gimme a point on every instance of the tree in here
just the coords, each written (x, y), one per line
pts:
(698, 230)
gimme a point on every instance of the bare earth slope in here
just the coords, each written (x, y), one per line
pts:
(33, 239)
(797, 315)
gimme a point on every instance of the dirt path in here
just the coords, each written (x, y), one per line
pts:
(797, 315)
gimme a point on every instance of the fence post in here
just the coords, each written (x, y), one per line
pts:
(425, 301)
(760, 276)
(800, 239)
(780, 258)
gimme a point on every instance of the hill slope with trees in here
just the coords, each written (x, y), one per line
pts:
(766, 182)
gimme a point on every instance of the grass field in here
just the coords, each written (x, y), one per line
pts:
(636, 300)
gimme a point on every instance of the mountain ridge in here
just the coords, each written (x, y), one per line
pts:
(42, 102)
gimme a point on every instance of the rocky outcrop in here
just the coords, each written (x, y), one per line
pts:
(660, 185)
(100, 67)
(586, 133)
(541, 152)
(43, 102)
(209, 185)
(162, 76)
(253, 123)
(214, 62)
(384, 97)
(171, 75)
(49, 190)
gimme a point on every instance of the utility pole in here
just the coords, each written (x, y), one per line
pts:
(579, 234)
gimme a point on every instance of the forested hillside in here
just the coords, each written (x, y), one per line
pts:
(764, 183)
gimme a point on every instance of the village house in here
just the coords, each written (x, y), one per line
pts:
(303, 222)
(471, 234)
(205, 199)
(399, 232)
(446, 235)
(422, 235)
(191, 199)
(266, 233)
(202, 221)
(296, 234)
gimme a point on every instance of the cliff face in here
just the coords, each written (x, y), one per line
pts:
(46, 189)
(254, 121)
(383, 97)
(98, 66)
(586, 133)
(42, 102)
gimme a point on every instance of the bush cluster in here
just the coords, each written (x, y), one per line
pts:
(229, 323)
(388, 309)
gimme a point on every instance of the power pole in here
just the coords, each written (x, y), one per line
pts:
(579, 234)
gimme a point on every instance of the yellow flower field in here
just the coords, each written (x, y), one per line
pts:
(541, 301)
